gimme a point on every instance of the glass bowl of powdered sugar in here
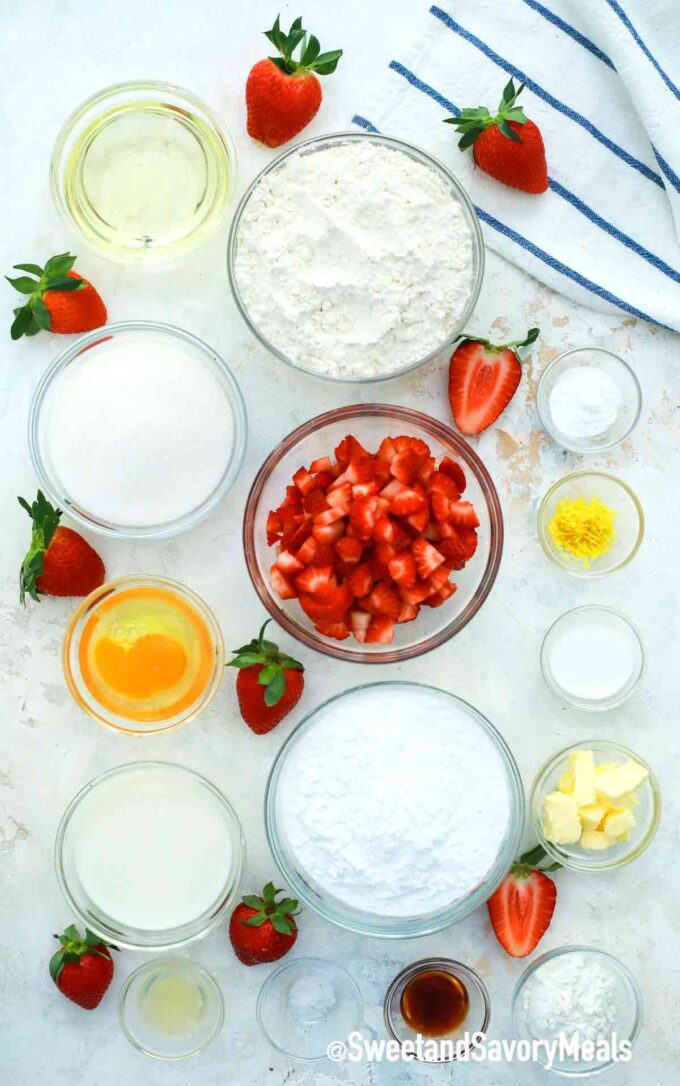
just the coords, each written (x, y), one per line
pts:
(355, 257)
(589, 399)
(580, 1008)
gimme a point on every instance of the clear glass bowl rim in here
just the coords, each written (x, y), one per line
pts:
(206, 614)
(397, 927)
(108, 94)
(562, 439)
(236, 403)
(294, 964)
(535, 794)
(211, 983)
(447, 437)
(563, 695)
(419, 154)
(615, 963)
(171, 939)
(580, 571)
(449, 965)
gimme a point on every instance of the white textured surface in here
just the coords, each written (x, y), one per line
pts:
(57, 53)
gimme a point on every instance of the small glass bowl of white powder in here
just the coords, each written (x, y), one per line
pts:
(580, 996)
(592, 658)
(355, 257)
(589, 399)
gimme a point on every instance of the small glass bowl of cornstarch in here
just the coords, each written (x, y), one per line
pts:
(355, 257)
(589, 399)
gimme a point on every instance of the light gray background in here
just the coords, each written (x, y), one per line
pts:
(55, 55)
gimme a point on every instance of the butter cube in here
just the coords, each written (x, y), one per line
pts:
(625, 778)
(628, 799)
(618, 822)
(604, 767)
(592, 814)
(582, 765)
(566, 782)
(596, 840)
(561, 823)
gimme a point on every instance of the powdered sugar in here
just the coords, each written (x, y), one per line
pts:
(584, 402)
(571, 993)
(395, 800)
(354, 260)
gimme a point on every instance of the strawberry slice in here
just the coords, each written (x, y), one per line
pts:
(315, 578)
(452, 468)
(441, 482)
(403, 569)
(523, 905)
(360, 580)
(462, 515)
(387, 450)
(407, 501)
(281, 584)
(483, 378)
(427, 557)
(359, 622)
(380, 631)
(405, 466)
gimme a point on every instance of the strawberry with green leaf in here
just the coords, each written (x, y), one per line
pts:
(82, 968)
(507, 145)
(269, 683)
(59, 562)
(59, 299)
(283, 93)
(263, 929)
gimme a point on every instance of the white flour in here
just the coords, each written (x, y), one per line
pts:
(573, 993)
(354, 260)
(395, 801)
(584, 402)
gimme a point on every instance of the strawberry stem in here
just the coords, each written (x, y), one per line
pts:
(472, 122)
(31, 318)
(311, 59)
(266, 654)
(531, 337)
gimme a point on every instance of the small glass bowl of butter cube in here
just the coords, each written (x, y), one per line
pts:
(595, 806)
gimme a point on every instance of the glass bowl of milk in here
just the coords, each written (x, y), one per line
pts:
(137, 430)
(150, 856)
(592, 657)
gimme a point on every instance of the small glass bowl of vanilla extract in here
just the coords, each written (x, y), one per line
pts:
(437, 1000)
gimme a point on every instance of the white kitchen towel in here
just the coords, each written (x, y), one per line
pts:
(599, 85)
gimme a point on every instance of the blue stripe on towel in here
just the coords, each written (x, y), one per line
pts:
(555, 186)
(624, 155)
(363, 123)
(618, 10)
(557, 21)
(668, 171)
(552, 261)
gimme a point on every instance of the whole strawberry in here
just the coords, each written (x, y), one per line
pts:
(263, 929)
(508, 146)
(60, 300)
(82, 968)
(483, 378)
(59, 562)
(283, 94)
(269, 683)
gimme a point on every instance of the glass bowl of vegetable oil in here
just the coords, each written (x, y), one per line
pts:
(171, 1008)
(143, 171)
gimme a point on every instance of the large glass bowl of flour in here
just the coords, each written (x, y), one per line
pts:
(394, 809)
(137, 430)
(355, 257)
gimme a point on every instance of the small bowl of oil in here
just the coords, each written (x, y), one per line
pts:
(143, 171)
(435, 1007)
(171, 1008)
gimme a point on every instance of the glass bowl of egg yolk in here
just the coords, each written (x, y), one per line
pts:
(143, 654)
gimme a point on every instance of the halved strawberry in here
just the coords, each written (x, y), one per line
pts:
(403, 569)
(281, 584)
(364, 490)
(390, 491)
(314, 578)
(454, 551)
(426, 469)
(380, 630)
(427, 558)
(359, 622)
(483, 378)
(523, 905)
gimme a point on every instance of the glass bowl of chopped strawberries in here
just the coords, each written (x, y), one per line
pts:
(373, 533)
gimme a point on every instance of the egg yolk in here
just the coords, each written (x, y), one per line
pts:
(152, 664)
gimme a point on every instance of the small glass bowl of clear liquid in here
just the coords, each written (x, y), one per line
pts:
(171, 1008)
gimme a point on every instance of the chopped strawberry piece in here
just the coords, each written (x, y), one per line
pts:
(324, 480)
(348, 449)
(292, 499)
(360, 580)
(327, 604)
(462, 514)
(441, 506)
(380, 631)
(304, 481)
(293, 540)
(390, 491)
(426, 469)
(314, 578)
(454, 552)
(469, 539)
(384, 530)
(339, 494)
(281, 584)
(328, 533)
(384, 553)
(406, 502)
(408, 612)
(440, 597)
(381, 472)
(324, 463)
(359, 622)
(438, 579)
(363, 517)
(337, 630)
(274, 528)
(405, 466)
(307, 551)
(427, 558)
(325, 554)
(441, 483)
(329, 516)
(450, 467)
(403, 569)
(364, 490)
(383, 600)
(314, 502)
(349, 550)
(288, 563)
(387, 450)
(420, 591)
(419, 521)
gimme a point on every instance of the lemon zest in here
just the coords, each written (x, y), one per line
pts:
(584, 528)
